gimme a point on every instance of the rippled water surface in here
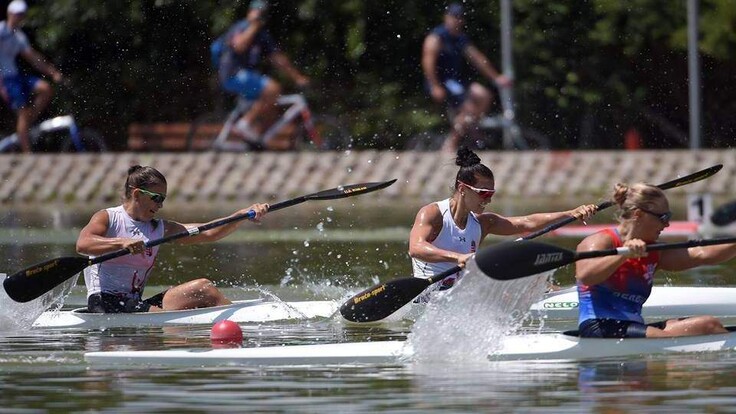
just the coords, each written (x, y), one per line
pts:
(326, 256)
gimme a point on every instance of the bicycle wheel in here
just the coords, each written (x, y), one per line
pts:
(92, 141)
(535, 140)
(201, 132)
(520, 138)
(329, 133)
(426, 141)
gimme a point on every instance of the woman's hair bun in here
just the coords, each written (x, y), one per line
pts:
(466, 157)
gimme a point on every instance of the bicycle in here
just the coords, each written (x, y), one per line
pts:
(499, 131)
(45, 137)
(321, 132)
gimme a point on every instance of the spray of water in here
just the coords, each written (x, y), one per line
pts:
(467, 322)
(20, 316)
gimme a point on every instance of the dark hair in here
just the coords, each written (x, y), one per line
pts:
(142, 177)
(470, 167)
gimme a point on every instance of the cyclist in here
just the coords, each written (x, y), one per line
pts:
(244, 45)
(17, 88)
(444, 50)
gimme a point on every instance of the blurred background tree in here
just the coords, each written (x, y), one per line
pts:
(586, 71)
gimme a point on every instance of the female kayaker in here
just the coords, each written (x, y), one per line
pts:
(117, 285)
(448, 232)
(613, 289)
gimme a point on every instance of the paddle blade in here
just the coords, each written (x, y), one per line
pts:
(380, 301)
(725, 214)
(31, 283)
(517, 259)
(691, 178)
(349, 190)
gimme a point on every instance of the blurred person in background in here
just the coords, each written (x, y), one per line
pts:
(238, 54)
(26, 95)
(444, 53)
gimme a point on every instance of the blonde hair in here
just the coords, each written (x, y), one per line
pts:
(639, 195)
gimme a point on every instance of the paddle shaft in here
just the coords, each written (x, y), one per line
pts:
(651, 247)
(678, 182)
(197, 230)
(515, 260)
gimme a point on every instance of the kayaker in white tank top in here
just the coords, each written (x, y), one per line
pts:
(126, 275)
(447, 233)
(117, 285)
(452, 238)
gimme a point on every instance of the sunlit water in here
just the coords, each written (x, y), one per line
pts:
(43, 370)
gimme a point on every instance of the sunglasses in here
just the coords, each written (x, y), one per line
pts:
(663, 217)
(157, 198)
(482, 192)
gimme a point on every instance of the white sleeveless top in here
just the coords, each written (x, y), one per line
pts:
(451, 238)
(126, 275)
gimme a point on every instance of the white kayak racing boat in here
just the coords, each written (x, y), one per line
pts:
(665, 302)
(546, 346)
(242, 311)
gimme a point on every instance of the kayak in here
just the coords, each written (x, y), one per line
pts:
(545, 346)
(242, 311)
(665, 302)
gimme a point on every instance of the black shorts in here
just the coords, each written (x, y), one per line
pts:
(614, 328)
(111, 303)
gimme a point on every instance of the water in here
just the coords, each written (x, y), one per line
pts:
(44, 370)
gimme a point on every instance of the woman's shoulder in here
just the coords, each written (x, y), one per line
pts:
(430, 212)
(603, 239)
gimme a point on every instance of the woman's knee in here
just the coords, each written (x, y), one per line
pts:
(712, 324)
(201, 285)
(272, 89)
(43, 88)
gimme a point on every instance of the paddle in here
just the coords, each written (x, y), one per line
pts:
(381, 300)
(678, 182)
(724, 215)
(508, 261)
(34, 281)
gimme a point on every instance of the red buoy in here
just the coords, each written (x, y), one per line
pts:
(226, 334)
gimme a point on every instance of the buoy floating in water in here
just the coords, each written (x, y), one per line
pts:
(226, 334)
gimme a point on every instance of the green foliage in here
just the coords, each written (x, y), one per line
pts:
(586, 71)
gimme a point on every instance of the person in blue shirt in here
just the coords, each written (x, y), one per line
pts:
(612, 289)
(246, 44)
(25, 94)
(445, 50)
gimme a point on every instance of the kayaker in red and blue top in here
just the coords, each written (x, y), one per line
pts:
(612, 289)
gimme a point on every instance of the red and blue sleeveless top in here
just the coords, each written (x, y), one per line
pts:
(622, 295)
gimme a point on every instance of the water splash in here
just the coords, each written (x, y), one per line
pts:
(470, 320)
(20, 316)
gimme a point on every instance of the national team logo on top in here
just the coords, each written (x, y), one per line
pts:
(472, 246)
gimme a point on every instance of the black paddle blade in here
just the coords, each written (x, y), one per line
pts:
(380, 301)
(517, 259)
(31, 283)
(725, 214)
(691, 178)
(349, 190)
